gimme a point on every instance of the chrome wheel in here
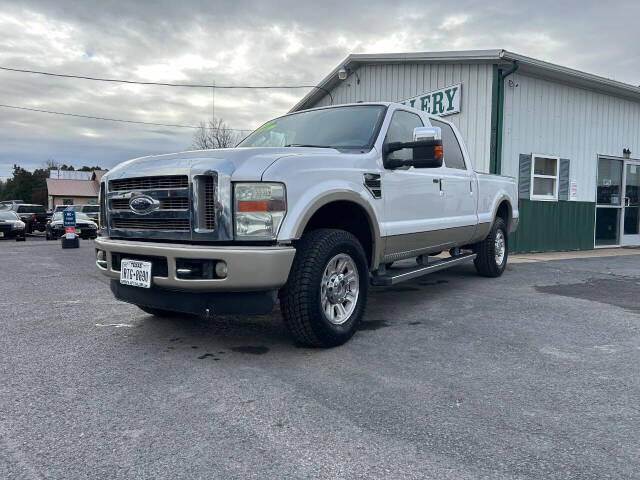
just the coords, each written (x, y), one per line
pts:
(499, 247)
(339, 289)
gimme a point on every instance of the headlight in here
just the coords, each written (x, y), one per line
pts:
(17, 226)
(259, 209)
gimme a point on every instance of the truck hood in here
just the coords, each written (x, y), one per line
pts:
(244, 164)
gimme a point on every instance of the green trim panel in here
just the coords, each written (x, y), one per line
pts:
(550, 226)
(493, 140)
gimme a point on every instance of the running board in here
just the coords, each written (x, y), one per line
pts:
(393, 276)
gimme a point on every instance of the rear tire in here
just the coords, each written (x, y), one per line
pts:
(324, 298)
(493, 251)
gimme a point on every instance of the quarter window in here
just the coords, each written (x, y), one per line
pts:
(401, 130)
(451, 151)
(544, 177)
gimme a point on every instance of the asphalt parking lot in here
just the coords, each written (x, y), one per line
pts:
(532, 375)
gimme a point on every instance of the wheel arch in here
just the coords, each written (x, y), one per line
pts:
(503, 209)
(347, 211)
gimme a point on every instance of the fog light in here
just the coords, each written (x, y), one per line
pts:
(221, 269)
(101, 259)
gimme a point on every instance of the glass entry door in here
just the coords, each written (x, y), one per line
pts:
(609, 202)
(631, 216)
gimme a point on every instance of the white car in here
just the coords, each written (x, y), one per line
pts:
(311, 208)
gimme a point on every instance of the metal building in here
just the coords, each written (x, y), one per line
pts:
(568, 136)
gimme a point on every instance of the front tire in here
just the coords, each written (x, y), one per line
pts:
(493, 251)
(324, 298)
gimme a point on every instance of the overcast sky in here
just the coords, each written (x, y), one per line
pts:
(256, 42)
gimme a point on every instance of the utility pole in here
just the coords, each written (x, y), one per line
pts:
(213, 104)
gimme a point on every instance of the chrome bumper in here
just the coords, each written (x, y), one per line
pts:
(249, 268)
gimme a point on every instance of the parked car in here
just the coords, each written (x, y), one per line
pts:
(11, 226)
(85, 227)
(311, 208)
(92, 211)
(7, 204)
(34, 216)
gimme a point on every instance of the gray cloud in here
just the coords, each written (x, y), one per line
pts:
(246, 42)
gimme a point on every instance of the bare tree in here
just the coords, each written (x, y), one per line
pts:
(51, 164)
(214, 134)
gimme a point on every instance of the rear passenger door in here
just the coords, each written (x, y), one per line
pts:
(458, 185)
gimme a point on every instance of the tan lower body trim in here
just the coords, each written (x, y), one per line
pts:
(410, 245)
(249, 268)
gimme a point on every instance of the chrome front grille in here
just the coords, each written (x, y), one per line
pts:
(147, 223)
(169, 216)
(149, 183)
(209, 203)
(191, 207)
(166, 203)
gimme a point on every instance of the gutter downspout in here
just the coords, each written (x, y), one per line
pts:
(497, 114)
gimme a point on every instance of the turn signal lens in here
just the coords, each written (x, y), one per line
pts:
(437, 152)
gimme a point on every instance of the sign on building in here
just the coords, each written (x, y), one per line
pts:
(445, 101)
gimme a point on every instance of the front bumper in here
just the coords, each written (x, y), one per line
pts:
(12, 234)
(85, 233)
(249, 268)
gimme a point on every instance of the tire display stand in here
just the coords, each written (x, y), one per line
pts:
(71, 242)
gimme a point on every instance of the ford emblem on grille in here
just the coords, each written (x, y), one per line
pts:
(142, 204)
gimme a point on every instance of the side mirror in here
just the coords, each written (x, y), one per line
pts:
(426, 146)
(427, 133)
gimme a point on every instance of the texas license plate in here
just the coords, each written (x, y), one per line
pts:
(135, 273)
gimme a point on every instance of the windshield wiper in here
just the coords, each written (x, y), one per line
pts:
(306, 145)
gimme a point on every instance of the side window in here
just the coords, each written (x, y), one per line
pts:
(401, 130)
(452, 152)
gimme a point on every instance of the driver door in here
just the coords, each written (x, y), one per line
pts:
(413, 197)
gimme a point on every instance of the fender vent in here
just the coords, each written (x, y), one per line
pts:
(372, 182)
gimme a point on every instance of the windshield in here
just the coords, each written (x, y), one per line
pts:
(340, 127)
(79, 216)
(8, 216)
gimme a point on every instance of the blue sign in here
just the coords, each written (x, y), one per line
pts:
(69, 218)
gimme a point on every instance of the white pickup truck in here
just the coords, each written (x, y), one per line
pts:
(311, 208)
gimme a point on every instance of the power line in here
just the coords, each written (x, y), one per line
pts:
(113, 119)
(186, 85)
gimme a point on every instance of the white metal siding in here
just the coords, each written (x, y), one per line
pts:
(546, 117)
(397, 82)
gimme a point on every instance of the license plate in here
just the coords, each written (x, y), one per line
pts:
(135, 273)
(1, 234)
(78, 231)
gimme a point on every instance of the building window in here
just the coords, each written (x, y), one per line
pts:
(544, 177)
(67, 201)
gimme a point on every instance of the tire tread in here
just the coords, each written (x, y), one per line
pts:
(295, 297)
